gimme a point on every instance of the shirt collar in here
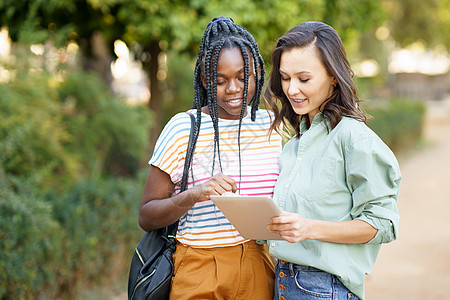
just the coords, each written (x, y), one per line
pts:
(318, 118)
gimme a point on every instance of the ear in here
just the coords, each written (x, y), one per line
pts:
(334, 82)
(203, 79)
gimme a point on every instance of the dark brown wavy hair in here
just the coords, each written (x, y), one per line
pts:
(343, 101)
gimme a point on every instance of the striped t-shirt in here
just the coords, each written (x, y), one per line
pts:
(204, 225)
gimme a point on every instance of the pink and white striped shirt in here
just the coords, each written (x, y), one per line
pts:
(204, 225)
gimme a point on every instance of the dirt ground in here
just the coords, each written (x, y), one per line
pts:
(417, 264)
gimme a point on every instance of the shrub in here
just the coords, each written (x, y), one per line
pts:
(32, 134)
(100, 221)
(52, 243)
(110, 136)
(30, 245)
(71, 129)
(398, 122)
(69, 184)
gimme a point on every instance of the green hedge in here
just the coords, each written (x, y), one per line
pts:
(30, 245)
(70, 185)
(51, 244)
(73, 129)
(398, 122)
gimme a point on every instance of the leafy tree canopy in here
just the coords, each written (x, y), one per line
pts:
(413, 20)
(178, 24)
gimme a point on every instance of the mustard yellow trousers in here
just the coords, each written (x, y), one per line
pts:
(244, 271)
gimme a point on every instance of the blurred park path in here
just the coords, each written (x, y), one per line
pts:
(417, 265)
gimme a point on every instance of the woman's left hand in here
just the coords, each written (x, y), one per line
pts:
(291, 226)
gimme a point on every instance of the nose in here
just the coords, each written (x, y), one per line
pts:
(234, 86)
(294, 88)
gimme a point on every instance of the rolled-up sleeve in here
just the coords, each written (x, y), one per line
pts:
(373, 177)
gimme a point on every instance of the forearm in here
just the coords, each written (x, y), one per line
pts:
(158, 213)
(343, 232)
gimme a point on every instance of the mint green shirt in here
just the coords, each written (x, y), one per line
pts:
(343, 175)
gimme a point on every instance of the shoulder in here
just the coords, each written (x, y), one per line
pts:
(356, 136)
(180, 121)
(354, 130)
(181, 118)
(175, 130)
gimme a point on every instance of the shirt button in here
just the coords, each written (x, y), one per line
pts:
(281, 287)
(282, 274)
(273, 244)
(286, 186)
(283, 298)
(299, 158)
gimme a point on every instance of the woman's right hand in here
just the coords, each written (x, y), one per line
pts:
(216, 185)
(160, 208)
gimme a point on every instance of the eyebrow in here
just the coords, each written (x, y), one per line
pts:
(298, 73)
(238, 72)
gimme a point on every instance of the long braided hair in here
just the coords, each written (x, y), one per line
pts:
(223, 33)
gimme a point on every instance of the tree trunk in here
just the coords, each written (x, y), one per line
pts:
(155, 103)
(96, 56)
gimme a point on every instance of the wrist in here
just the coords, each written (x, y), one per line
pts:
(313, 230)
(195, 195)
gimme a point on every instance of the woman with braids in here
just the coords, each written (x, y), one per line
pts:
(338, 182)
(232, 153)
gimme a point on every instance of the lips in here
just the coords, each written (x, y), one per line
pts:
(234, 102)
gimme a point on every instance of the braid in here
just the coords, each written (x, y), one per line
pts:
(244, 104)
(197, 87)
(212, 104)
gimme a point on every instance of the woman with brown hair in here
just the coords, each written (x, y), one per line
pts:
(338, 182)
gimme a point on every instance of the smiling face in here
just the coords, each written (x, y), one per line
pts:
(230, 83)
(304, 80)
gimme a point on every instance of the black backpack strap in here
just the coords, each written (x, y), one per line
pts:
(172, 229)
(187, 161)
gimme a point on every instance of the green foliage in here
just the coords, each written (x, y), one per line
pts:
(51, 243)
(100, 223)
(71, 129)
(399, 123)
(179, 90)
(32, 135)
(415, 20)
(69, 183)
(111, 136)
(180, 24)
(351, 18)
(30, 245)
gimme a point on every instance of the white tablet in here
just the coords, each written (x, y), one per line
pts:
(250, 215)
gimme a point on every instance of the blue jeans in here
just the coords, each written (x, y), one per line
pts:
(307, 283)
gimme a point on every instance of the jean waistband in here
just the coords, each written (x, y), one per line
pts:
(294, 267)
